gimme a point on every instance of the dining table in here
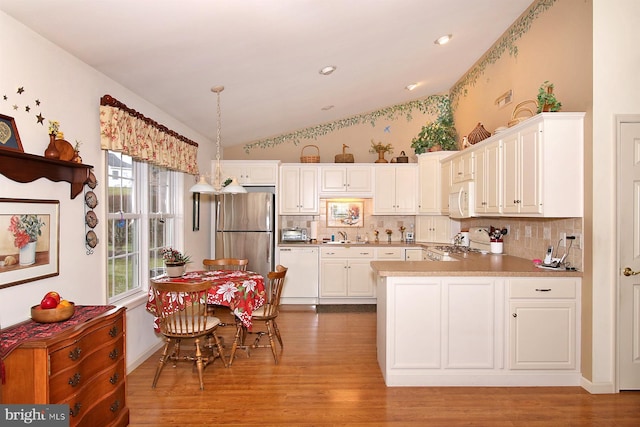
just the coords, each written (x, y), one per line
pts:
(241, 291)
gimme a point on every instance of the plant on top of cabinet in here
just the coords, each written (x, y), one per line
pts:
(546, 99)
(438, 135)
(380, 148)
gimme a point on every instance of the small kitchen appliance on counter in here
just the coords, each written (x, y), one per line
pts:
(294, 234)
(479, 242)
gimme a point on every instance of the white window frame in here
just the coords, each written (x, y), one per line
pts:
(141, 184)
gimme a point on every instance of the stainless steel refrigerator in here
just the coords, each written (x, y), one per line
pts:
(244, 228)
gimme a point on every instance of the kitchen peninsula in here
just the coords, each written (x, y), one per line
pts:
(485, 320)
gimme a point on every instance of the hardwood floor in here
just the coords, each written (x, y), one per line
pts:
(328, 376)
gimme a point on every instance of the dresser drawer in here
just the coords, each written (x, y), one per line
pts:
(542, 288)
(105, 409)
(77, 350)
(65, 382)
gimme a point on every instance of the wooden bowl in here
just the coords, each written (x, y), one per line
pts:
(52, 315)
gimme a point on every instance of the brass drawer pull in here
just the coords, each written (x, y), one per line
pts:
(114, 378)
(75, 410)
(75, 353)
(74, 380)
(113, 332)
(114, 354)
(115, 406)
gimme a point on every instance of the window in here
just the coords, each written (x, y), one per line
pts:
(143, 205)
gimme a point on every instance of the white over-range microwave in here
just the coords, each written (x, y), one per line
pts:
(462, 200)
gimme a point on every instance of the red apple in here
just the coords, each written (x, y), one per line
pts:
(54, 295)
(48, 302)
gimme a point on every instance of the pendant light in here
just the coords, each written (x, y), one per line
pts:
(233, 187)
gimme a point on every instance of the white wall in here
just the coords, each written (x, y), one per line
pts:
(70, 91)
(616, 65)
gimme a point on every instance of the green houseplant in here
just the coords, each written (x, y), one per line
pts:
(547, 101)
(437, 135)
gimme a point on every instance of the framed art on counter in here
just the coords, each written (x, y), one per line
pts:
(29, 240)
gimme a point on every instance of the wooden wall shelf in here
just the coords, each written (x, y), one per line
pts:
(24, 167)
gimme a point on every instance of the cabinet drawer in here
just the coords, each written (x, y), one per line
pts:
(101, 404)
(390, 253)
(542, 288)
(343, 252)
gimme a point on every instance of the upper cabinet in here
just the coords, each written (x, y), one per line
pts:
(251, 172)
(533, 169)
(298, 190)
(430, 178)
(346, 180)
(395, 189)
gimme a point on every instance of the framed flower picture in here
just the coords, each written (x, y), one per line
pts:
(9, 138)
(345, 214)
(29, 240)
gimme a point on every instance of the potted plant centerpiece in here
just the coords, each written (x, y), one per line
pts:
(380, 148)
(437, 135)
(175, 261)
(546, 99)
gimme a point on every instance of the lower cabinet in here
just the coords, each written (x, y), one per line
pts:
(478, 331)
(346, 272)
(82, 366)
(542, 329)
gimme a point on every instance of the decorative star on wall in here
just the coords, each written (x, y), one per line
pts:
(27, 108)
(20, 90)
(5, 97)
(37, 102)
(15, 107)
(40, 119)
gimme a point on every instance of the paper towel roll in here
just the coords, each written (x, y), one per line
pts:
(313, 230)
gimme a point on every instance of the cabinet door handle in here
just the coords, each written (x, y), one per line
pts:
(515, 314)
(543, 290)
(113, 332)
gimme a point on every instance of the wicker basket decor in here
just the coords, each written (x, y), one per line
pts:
(310, 159)
(344, 157)
(521, 112)
(478, 134)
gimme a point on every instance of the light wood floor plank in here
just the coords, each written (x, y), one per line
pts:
(328, 376)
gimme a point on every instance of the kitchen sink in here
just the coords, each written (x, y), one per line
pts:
(343, 242)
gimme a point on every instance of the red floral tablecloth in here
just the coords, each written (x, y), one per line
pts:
(241, 291)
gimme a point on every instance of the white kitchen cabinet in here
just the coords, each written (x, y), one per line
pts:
(352, 180)
(435, 229)
(298, 190)
(446, 180)
(430, 183)
(345, 272)
(488, 179)
(415, 254)
(522, 171)
(462, 166)
(257, 172)
(301, 282)
(395, 189)
(389, 254)
(543, 318)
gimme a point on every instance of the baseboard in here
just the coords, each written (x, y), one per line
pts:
(346, 308)
(601, 388)
(140, 360)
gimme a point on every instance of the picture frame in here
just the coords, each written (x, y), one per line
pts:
(345, 214)
(21, 259)
(9, 137)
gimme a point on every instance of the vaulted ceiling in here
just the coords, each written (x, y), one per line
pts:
(268, 53)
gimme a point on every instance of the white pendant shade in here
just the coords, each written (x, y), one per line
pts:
(202, 187)
(234, 187)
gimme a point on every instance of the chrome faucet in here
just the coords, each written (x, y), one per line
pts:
(343, 235)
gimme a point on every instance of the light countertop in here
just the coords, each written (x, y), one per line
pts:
(472, 265)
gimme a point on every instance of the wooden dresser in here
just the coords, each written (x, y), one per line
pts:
(82, 365)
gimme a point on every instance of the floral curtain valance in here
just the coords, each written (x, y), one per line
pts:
(125, 130)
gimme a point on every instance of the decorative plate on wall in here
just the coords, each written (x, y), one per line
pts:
(91, 199)
(92, 181)
(91, 219)
(92, 239)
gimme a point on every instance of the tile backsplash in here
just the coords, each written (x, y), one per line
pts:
(528, 237)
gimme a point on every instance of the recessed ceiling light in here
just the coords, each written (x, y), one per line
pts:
(327, 107)
(443, 40)
(411, 87)
(325, 71)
